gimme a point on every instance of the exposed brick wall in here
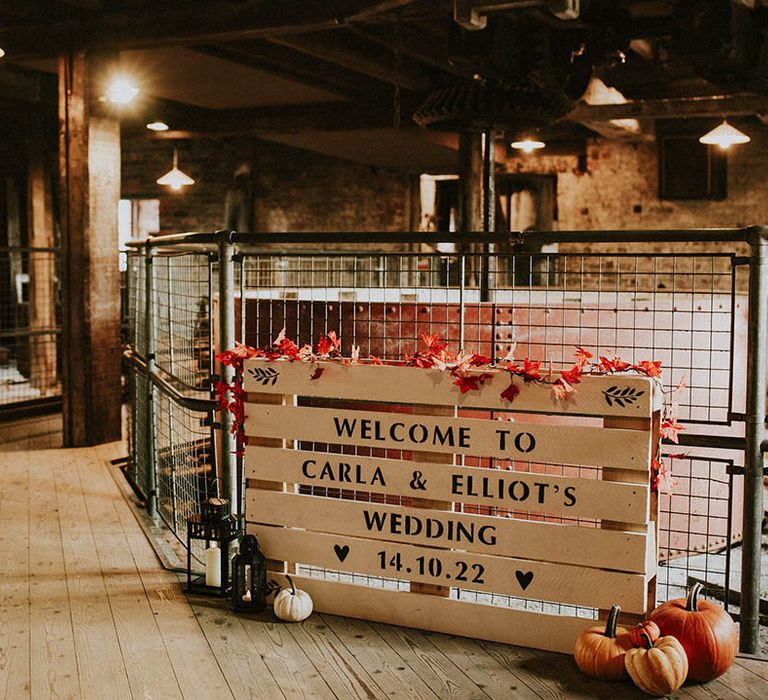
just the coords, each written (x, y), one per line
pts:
(619, 190)
(295, 190)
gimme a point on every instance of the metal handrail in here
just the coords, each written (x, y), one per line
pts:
(189, 402)
(207, 239)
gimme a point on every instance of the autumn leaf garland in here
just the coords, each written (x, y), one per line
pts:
(435, 354)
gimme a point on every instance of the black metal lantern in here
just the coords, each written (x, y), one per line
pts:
(218, 529)
(249, 577)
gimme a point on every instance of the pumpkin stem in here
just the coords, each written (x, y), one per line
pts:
(646, 639)
(692, 604)
(290, 581)
(613, 618)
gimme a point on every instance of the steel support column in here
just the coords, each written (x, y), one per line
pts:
(757, 355)
(229, 481)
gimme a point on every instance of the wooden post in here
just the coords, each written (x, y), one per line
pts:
(42, 271)
(471, 196)
(89, 154)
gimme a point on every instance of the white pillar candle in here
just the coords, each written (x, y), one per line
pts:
(213, 566)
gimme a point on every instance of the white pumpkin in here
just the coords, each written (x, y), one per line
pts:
(292, 604)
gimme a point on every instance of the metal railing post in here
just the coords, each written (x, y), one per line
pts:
(757, 355)
(149, 337)
(229, 486)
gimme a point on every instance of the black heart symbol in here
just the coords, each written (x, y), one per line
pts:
(341, 552)
(524, 579)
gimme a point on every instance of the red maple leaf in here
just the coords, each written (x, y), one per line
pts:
(614, 365)
(476, 360)
(530, 372)
(661, 477)
(287, 348)
(327, 343)
(317, 373)
(472, 382)
(670, 428)
(582, 356)
(375, 360)
(572, 375)
(433, 343)
(652, 369)
(561, 389)
(510, 393)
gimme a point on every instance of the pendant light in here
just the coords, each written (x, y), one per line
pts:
(174, 178)
(724, 136)
(528, 145)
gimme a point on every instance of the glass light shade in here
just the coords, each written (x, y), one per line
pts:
(157, 126)
(528, 145)
(121, 92)
(724, 136)
(174, 178)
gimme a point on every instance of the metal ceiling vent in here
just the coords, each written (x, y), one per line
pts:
(526, 74)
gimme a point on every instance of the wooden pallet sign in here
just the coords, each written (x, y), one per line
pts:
(427, 539)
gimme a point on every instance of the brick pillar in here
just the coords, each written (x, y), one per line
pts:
(89, 153)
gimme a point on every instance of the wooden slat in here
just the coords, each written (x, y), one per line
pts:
(413, 385)
(599, 447)
(520, 578)
(100, 664)
(569, 496)
(52, 644)
(15, 633)
(366, 647)
(465, 619)
(620, 551)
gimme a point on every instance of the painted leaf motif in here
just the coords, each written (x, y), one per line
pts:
(264, 375)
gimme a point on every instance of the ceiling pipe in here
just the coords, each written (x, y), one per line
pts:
(473, 14)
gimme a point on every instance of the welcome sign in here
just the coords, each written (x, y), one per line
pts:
(567, 518)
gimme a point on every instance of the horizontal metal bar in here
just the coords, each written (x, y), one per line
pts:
(22, 249)
(29, 407)
(189, 402)
(722, 235)
(724, 442)
(27, 333)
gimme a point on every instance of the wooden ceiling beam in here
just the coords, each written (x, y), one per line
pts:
(296, 66)
(411, 44)
(711, 106)
(328, 116)
(347, 55)
(183, 25)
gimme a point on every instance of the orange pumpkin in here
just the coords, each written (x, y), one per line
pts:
(599, 652)
(650, 628)
(708, 634)
(659, 668)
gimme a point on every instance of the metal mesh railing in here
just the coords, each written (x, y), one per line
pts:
(686, 307)
(30, 327)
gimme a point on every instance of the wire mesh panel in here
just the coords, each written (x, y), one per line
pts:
(135, 303)
(30, 326)
(684, 309)
(184, 463)
(680, 309)
(181, 317)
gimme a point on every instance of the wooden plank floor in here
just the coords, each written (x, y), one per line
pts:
(88, 611)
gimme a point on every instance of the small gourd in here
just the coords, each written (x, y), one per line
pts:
(600, 652)
(658, 668)
(708, 634)
(649, 627)
(292, 604)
